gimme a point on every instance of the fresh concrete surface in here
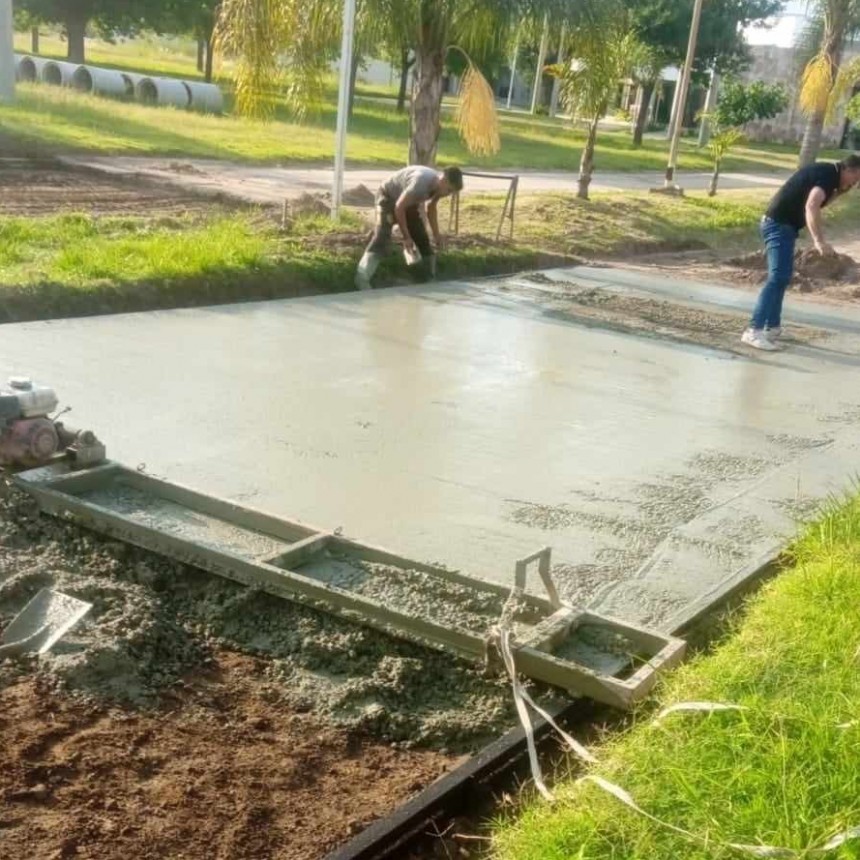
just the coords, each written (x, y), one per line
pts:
(455, 423)
(261, 184)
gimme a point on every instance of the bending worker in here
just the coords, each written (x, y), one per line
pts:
(796, 205)
(399, 201)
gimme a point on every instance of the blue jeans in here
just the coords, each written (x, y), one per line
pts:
(779, 242)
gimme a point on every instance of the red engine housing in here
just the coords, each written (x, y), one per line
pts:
(28, 442)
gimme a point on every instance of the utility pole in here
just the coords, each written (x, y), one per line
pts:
(684, 86)
(346, 48)
(7, 52)
(710, 104)
(541, 60)
(513, 69)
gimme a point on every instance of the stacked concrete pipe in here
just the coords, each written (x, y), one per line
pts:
(205, 97)
(29, 68)
(104, 82)
(58, 73)
(163, 91)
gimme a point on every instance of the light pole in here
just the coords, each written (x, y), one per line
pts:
(541, 59)
(342, 104)
(684, 86)
(7, 52)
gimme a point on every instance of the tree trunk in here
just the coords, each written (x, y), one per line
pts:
(210, 53)
(715, 178)
(427, 105)
(76, 28)
(586, 164)
(642, 116)
(353, 76)
(34, 40)
(405, 65)
(201, 54)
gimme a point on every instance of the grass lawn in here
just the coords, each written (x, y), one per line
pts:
(782, 772)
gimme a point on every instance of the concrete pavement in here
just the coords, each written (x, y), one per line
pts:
(468, 424)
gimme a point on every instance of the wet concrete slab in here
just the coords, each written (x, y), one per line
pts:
(466, 424)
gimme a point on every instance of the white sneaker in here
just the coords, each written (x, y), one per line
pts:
(757, 339)
(773, 333)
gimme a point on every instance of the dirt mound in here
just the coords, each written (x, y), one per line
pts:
(360, 195)
(812, 271)
(308, 205)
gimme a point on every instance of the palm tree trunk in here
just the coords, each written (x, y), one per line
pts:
(715, 178)
(586, 164)
(426, 112)
(642, 115)
(353, 78)
(34, 40)
(406, 64)
(201, 54)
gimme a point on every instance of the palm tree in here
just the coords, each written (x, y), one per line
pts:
(604, 49)
(833, 22)
(287, 41)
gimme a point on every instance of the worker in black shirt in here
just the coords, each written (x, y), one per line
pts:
(796, 205)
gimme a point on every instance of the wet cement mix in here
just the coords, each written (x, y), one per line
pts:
(222, 700)
(644, 316)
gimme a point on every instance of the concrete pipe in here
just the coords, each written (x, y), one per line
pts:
(205, 97)
(29, 68)
(58, 74)
(131, 80)
(162, 91)
(104, 82)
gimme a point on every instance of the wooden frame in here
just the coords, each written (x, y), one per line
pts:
(58, 491)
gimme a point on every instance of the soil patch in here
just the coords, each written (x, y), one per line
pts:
(34, 189)
(644, 315)
(812, 271)
(221, 770)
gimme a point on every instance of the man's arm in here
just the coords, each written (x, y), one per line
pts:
(403, 203)
(816, 200)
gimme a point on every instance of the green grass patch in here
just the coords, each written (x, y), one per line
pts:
(780, 773)
(68, 121)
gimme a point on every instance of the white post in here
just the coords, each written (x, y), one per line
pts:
(673, 113)
(541, 60)
(342, 105)
(710, 104)
(7, 52)
(682, 95)
(513, 70)
(556, 84)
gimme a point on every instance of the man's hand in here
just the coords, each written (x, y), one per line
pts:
(408, 244)
(441, 243)
(825, 249)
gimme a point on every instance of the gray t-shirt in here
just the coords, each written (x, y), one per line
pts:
(417, 181)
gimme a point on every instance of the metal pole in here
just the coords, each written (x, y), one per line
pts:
(513, 70)
(710, 104)
(342, 105)
(7, 52)
(556, 83)
(682, 96)
(541, 59)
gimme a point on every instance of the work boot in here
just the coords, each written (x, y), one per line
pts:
(367, 266)
(756, 338)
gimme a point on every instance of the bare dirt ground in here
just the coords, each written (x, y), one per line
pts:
(36, 189)
(220, 770)
(833, 280)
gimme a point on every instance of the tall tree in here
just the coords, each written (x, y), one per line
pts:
(833, 22)
(107, 17)
(276, 38)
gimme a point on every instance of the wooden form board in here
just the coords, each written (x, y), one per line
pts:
(547, 623)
